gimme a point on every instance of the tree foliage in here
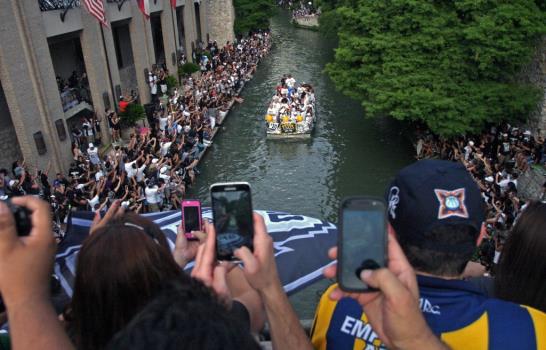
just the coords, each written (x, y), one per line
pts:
(252, 15)
(449, 63)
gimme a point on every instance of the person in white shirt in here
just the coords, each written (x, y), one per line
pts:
(290, 82)
(152, 198)
(164, 173)
(165, 148)
(140, 173)
(131, 169)
(163, 121)
(93, 202)
(468, 150)
(93, 154)
(99, 175)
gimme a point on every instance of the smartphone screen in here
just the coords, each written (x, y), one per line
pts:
(191, 219)
(232, 214)
(362, 240)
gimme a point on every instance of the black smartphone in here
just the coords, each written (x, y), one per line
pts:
(362, 240)
(232, 217)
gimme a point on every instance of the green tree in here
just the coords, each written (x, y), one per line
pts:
(451, 63)
(252, 15)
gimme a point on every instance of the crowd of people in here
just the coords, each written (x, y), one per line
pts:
(304, 11)
(495, 159)
(151, 170)
(131, 290)
(292, 104)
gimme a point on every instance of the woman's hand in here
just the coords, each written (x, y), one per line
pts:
(209, 271)
(184, 249)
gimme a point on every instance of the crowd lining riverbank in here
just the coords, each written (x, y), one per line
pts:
(150, 169)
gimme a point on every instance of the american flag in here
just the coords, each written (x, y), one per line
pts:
(144, 6)
(96, 9)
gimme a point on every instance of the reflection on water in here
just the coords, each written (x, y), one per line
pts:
(347, 154)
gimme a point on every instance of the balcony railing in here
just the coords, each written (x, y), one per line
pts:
(72, 97)
(49, 5)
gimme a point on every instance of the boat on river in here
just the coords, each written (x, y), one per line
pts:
(291, 114)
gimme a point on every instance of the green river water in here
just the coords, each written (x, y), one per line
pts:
(347, 154)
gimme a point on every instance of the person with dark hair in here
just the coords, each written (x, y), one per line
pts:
(521, 274)
(191, 317)
(121, 267)
(436, 212)
(185, 316)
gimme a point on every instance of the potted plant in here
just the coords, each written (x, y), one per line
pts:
(171, 82)
(187, 69)
(129, 118)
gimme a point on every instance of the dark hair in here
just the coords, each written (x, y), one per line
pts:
(120, 268)
(521, 274)
(456, 245)
(185, 316)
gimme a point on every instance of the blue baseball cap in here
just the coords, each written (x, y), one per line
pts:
(428, 193)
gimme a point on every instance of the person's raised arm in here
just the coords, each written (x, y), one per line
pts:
(103, 204)
(261, 273)
(26, 264)
(126, 193)
(48, 168)
(118, 186)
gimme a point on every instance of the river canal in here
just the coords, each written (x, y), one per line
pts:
(347, 154)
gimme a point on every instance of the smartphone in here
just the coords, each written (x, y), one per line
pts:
(362, 240)
(191, 217)
(232, 217)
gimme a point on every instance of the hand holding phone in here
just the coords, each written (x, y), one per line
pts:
(362, 240)
(232, 216)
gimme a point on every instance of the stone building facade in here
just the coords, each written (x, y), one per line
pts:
(222, 14)
(539, 74)
(40, 43)
(534, 73)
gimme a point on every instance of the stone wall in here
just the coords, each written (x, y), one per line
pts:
(9, 147)
(221, 17)
(535, 73)
(128, 78)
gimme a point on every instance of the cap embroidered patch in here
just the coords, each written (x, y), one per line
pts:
(451, 203)
(394, 199)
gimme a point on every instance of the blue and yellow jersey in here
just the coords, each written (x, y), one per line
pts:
(456, 312)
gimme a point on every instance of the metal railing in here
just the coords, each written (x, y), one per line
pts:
(49, 5)
(72, 97)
